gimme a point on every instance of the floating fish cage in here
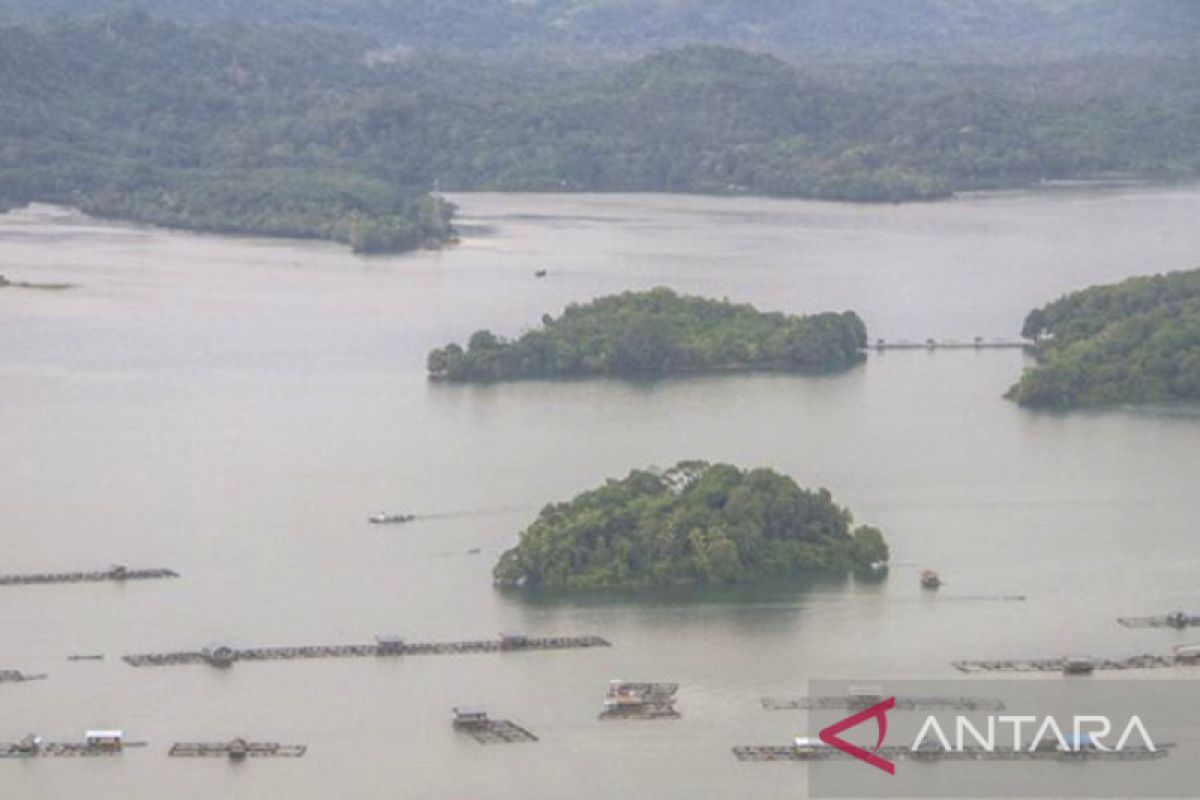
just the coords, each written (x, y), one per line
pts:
(1076, 665)
(822, 752)
(226, 656)
(859, 702)
(236, 750)
(1176, 619)
(473, 721)
(117, 573)
(95, 744)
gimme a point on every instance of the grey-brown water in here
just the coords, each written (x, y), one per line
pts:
(235, 409)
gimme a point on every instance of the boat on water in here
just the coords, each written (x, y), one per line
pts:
(385, 518)
(930, 580)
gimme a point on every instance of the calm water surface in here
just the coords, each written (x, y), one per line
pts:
(233, 409)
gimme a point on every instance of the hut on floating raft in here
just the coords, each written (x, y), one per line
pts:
(514, 641)
(219, 655)
(470, 718)
(1079, 665)
(104, 740)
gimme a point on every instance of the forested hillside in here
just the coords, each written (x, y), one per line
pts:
(303, 131)
(962, 30)
(195, 127)
(696, 523)
(1135, 342)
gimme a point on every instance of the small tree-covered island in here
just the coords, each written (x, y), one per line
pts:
(1133, 342)
(694, 524)
(658, 333)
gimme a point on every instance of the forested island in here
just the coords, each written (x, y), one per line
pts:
(696, 523)
(657, 332)
(1134, 342)
(260, 127)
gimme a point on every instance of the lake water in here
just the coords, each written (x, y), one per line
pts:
(233, 409)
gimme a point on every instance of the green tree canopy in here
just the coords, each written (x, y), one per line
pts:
(696, 523)
(657, 333)
(1134, 342)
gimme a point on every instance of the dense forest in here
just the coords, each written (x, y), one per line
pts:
(195, 127)
(960, 30)
(1134, 342)
(324, 132)
(693, 524)
(657, 333)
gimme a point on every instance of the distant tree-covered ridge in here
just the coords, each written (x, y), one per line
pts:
(696, 523)
(1133, 342)
(657, 332)
(1014, 30)
(300, 131)
(201, 127)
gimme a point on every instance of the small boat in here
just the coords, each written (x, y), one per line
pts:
(930, 580)
(384, 518)
(541, 273)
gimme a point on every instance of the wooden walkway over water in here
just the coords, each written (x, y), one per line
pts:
(224, 656)
(882, 345)
(117, 573)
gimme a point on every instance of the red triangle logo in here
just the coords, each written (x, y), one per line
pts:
(877, 712)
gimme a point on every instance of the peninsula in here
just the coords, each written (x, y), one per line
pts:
(1132, 342)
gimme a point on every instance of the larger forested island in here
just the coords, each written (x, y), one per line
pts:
(696, 523)
(262, 126)
(658, 333)
(1134, 342)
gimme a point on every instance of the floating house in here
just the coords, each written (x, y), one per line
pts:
(1079, 665)
(806, 746)
(513, 641)
(470, 717)
(1188, 652)
(389, 645)
(238, 749)
(622, 695)
(104, 740)
(29, 745)
(219, 655)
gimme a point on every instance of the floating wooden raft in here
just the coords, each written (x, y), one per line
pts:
(895, 752)
(497, 731)
(655, 701)
(238, 748)
(1177, 621)
(1059, 664)
(226, 656)
(117, 573)
(15, 676)
(852, 703)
